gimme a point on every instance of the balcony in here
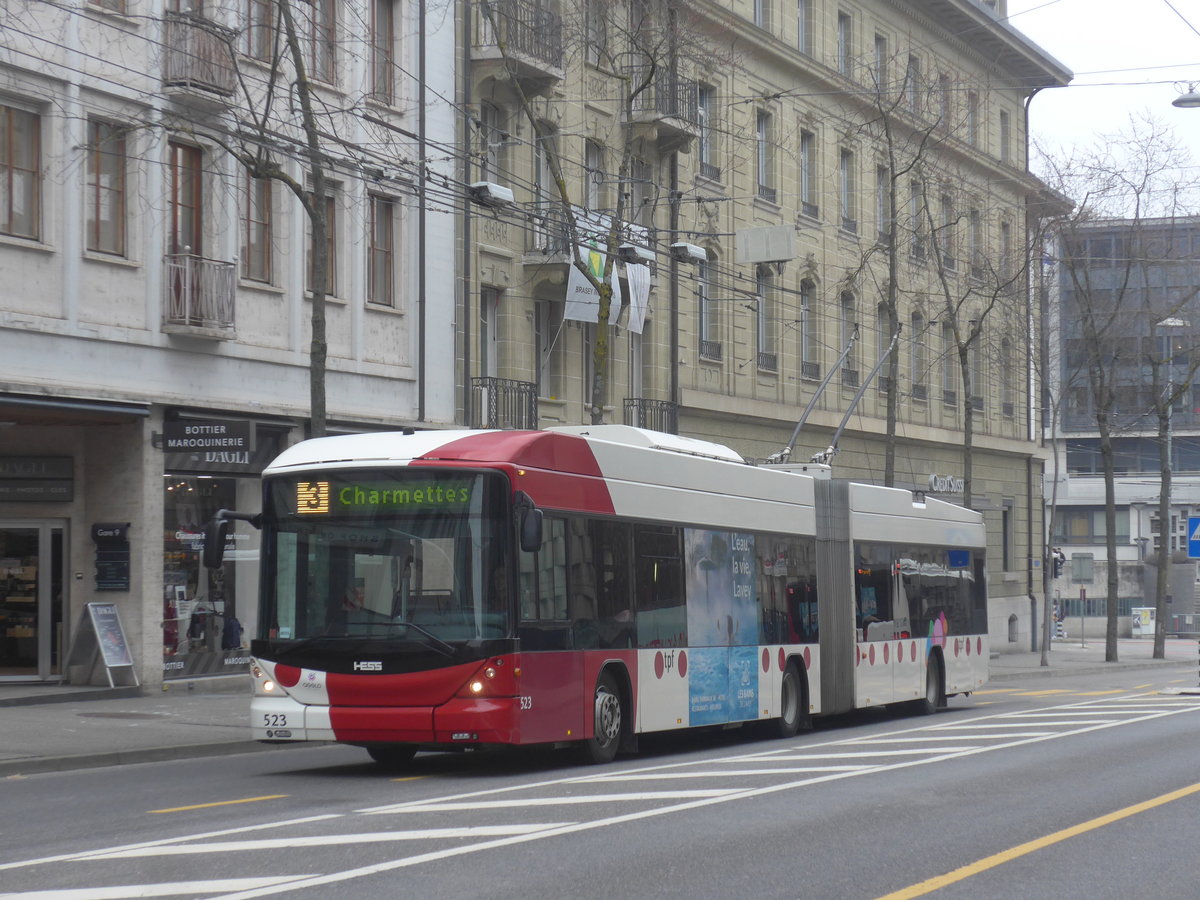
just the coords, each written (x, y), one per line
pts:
(668, 108)
(199, 297)
(810, 371)
(710, 350)
(503, 403)
(849, 377)
(767, 362)
(657, 415)
(197, 58)
(518, 39)
(920, 392)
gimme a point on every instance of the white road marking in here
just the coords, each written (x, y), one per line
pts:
(169, 889)
(330, 840)
(438, 806)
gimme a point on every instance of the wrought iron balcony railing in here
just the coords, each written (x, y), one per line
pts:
(523, 29)
(657, 415)
(199, 293)
(503, 403)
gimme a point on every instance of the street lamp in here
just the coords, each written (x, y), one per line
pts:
(1189, 99)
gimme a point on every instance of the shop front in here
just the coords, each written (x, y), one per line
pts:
(31, 599)
(210, 463)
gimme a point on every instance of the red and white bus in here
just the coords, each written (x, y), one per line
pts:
(451, 589)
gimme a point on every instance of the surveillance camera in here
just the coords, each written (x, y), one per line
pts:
(487, 193)
(685, 252)
(632, 253)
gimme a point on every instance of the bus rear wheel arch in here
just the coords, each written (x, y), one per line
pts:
(935, 687)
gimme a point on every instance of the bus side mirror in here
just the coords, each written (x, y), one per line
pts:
(531, 530)
(215, 533)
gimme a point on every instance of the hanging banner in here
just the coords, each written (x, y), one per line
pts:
(639, 296)
(583, 300)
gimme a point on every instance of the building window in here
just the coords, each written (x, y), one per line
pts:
(847, 192)
(881, 65)
(710, 343)
(106, 163)
(706, 98)
(1086, 525)
(947, 234)
(1006, 375)
(849, 324)
(762, 13)
(975, 370)
(1007, 535)
(949, 365)
(319, 22)
(548, 347)
(381, 274)
(20, 172)
(845, 44)
(1005, 137)
(185, 230)
(810, 335)
(383, 44)
(260, 34)
(489, 331)
(808, 175)
(973, 118)
(912, 83)
(945, 102)
(916, 207)
(763, 156)
(765, 320)
(117, 6)
(331, 230)
(593, 173)
(256, 230)
(804, 26)
(883, 203)
(975, 243)
(917, 363)
(492, 136)
(596, 27)
(1006, 254)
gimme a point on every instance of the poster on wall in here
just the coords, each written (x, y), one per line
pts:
(723, 626)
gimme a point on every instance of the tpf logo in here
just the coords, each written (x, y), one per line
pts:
(372, 666)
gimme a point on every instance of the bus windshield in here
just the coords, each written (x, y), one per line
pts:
(408, 554)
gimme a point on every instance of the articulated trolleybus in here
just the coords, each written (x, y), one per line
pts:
(464, 589)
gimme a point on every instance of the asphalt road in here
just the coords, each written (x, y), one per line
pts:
(1075, 788)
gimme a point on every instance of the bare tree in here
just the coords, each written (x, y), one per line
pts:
(1129, 187)
(642, 48)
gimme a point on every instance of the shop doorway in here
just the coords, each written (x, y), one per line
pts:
(32, 586)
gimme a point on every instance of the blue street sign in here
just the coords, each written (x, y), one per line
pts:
(1193, 537)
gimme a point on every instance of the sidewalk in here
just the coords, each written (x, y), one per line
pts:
(51, 728)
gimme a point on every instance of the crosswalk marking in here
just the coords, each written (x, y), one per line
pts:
(329, 840)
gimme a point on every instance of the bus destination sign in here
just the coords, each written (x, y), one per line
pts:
(326, 497)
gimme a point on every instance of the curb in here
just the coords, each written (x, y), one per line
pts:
(19, 768)
(1052, 671)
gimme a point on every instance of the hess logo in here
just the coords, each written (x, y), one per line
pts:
(368, 666)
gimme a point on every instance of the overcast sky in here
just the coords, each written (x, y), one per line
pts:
(1127, 56)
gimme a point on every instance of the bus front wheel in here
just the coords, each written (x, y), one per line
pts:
(609, 718)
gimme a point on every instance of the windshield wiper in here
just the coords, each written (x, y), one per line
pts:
(434, 641)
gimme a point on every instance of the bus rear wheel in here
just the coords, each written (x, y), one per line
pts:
(793, 708)
(609, 720)
(393, 756)
(932, 700)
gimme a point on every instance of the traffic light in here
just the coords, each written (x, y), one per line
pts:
(1058, 558)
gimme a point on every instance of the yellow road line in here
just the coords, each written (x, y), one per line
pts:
(1043, 693)
(990, 862)
(1099, 693)
(995, 691)
(409, 778)
(219, 803)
